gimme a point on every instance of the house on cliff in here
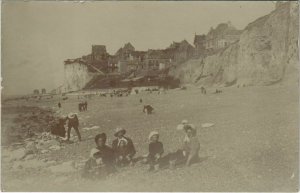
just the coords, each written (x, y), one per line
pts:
(199, 43)
(181, 51)
(155, 58)
(222, 36)
(128, 59)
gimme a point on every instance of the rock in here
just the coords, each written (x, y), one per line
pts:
(52, 162)
(29, 157)
(31, 148)
(17, 165)
(17, 154)
(45, 144)
(55, 147)
(95, 127)
(90, 128)
(44, 151)
(205, 125)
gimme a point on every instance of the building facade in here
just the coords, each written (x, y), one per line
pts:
(222, 36)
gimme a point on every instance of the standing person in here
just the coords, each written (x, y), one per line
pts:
(79, 107)
(123, 148)
(59, 105)
(101, 161)
(73, 122)
(85, 105)
(156, 150)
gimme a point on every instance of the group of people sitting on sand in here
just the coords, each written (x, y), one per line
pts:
(104, 159)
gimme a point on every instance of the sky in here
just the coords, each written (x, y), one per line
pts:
(38, 36)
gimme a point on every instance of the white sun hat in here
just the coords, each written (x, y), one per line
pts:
(152, 133)
(71, 115)
(184, 121)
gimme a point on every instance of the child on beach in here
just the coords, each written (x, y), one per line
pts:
(156, 150)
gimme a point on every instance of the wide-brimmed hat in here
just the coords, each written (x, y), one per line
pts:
(71, 115)
(182, 124)
(119, 129)
(184, 121)
(152, 133)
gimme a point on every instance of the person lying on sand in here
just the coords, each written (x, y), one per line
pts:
(123, 148)
(148, 109)
(101, 161)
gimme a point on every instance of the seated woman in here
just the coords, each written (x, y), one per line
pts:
(123, 148)
(189, 152)
(101, 161)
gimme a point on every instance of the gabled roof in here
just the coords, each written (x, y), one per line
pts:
(128, 46)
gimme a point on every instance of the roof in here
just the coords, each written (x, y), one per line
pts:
(199, 38)
(224, 29)
(99, 48)
(128, 46)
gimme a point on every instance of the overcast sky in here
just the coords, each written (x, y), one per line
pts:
(38, 36)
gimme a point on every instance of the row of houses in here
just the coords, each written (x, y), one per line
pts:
(217, 38)
(128, 61)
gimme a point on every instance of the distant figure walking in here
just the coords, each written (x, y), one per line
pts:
(148, 109)
(82, 106)
(73, 122)
(59, 105)
(218, 91)
(141, 100)
(85, 105)
(203, 90)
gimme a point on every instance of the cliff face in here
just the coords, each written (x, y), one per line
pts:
(76, 76)
(267, 52)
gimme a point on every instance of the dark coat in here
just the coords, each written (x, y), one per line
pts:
(127, 150)
(93, 170)
(73, 122)
(156, 148)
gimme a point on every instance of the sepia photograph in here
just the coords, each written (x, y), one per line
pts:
(149, 96)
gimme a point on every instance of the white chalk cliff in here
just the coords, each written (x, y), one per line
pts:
(266, 53)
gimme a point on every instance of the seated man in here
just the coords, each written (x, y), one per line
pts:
(101, 161)
(123, 148)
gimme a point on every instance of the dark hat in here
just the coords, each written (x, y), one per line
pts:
(101, 135)
(190, 127)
